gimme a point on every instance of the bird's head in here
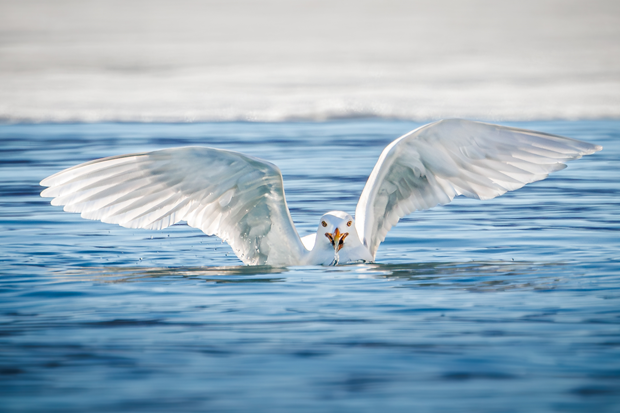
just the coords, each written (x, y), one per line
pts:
(335, 227)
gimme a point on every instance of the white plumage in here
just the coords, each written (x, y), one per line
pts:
(241, 199)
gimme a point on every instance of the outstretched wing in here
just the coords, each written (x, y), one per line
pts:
(436, 162)
(236, 197)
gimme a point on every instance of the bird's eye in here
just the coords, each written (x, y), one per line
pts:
(349, 223)
(324, 223)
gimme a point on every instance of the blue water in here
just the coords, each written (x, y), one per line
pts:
(506, 305)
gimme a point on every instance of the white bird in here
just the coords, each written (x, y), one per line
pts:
(241, 199)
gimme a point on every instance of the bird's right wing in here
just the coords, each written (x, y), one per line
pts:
(436, 162)
(236, 197)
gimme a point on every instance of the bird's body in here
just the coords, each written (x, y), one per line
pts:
(241, 199)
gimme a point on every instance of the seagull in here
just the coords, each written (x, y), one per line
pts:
(240, 198)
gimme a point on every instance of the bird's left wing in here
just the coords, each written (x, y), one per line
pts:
(436, 162)
(236, 197)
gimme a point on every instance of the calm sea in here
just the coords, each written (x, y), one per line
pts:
(506, 305)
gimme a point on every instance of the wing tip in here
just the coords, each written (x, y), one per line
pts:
(589, 149)
(46, 181)
(45, 193)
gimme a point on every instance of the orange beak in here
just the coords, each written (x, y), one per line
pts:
(337, 239)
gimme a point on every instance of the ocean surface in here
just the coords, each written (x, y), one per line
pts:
(505, 305)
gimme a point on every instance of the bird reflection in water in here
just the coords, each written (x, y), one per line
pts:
(473, 275)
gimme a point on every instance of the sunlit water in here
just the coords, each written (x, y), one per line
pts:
(506, 305)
